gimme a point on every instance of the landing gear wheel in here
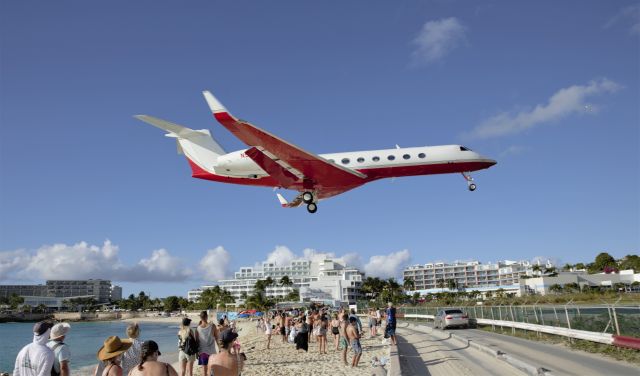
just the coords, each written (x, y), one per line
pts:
(472, 187)
(307, 197)
(312, 208)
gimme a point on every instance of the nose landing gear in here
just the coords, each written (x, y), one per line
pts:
(312, 208)
(471, 185)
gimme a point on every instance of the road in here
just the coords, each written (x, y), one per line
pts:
(425, 354)
(555, 358)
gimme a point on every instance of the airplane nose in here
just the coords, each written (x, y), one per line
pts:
(492, 162)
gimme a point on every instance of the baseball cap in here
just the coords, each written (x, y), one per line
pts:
(41, 327)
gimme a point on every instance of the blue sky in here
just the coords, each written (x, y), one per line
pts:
(549, 89)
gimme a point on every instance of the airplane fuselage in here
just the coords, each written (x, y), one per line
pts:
(238, 168)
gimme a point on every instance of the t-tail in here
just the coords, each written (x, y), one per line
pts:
(197, 145)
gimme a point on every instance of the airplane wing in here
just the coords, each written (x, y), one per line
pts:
(269, 150)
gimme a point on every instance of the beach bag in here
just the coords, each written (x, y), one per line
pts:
(190, 345)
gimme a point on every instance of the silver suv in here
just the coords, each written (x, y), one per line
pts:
(447, 318)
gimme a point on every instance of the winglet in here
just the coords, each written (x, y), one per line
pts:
(282, 200)
(214, 104)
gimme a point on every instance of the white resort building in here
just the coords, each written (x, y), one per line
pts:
(318, 281)
(433, 277)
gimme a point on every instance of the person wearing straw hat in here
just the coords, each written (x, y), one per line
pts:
(60, 349)
(111, 354)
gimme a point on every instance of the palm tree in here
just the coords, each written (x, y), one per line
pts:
(286, 281)
(409, 284)
(452, 285)
(536, 268)
(555, 288)
(441, 283)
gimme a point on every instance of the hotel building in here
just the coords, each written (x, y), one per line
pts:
(325, 280)
(473, 275)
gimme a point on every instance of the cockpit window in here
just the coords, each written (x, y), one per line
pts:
(462, 148)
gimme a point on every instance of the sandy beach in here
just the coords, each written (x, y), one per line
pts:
(282, 358)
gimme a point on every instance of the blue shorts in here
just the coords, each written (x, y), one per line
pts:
(390, 330)
(203, 359)
(356, 346)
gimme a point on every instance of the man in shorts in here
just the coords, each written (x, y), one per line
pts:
(354, 339)
(390, 329)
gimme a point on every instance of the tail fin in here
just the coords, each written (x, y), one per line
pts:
(197, 145)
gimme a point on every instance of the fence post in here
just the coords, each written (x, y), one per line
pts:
(541, 316)
(566, 311)
(513, 329)
(493, 327)
(615, 320)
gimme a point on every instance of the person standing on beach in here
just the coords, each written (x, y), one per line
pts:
(390, 329)
(335, 330)
(111, 356)
(354, 339)
(358, 322)
(372, 323)
(149, 364)
(283, 326)
(36, 359)
(184, 358)
(302, 337)
(131, 357)
(61, 352)
(207, 336)
(268, 331)
(343, 343)
(225, 363)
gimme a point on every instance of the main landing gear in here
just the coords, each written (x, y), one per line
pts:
(309, 199)
(469, 179)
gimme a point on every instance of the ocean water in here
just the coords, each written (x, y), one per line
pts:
(84, 339)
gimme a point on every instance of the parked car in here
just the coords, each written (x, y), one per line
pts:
(448, 318)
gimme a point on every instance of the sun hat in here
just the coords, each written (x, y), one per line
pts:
(59, 330)
(41, 327)
(113, 346)
(149, 347)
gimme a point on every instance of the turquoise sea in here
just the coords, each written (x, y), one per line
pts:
(84, 339)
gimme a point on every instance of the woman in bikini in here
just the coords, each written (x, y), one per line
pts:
(149, 364)
(111, 355)
(335, 324)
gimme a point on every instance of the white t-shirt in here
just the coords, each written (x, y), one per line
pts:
(35, 359)
(61, 354)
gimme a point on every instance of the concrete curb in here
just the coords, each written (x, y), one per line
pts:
(515, 362)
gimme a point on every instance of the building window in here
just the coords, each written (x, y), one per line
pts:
(345, 161)
(391, 157)
(406, 156)
(421, 155)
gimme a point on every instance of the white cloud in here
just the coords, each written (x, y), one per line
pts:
(437, 39)
(630, 14)
(215, 264)
(563, 103)
(514, 150)
(11, 261)
(281, 255)
(386, 266)
(84, 261)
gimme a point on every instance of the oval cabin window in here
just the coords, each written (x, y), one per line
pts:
(406, 156)
(360, 160)
(345, 160)
(391, 157)
(375, 159)
(421, 155)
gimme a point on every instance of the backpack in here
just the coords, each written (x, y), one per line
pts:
(53, 368)
(191, 345)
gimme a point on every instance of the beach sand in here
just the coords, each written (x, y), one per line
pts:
(282, 358)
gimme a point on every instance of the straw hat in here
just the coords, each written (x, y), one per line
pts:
(113, 346)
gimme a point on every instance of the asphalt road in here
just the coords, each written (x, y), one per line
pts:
(556, 358)
(425, 354)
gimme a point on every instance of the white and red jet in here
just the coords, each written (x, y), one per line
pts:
(274, 162)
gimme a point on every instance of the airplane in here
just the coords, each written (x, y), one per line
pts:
(273, 162)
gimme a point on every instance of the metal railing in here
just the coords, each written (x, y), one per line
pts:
(621, 320)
